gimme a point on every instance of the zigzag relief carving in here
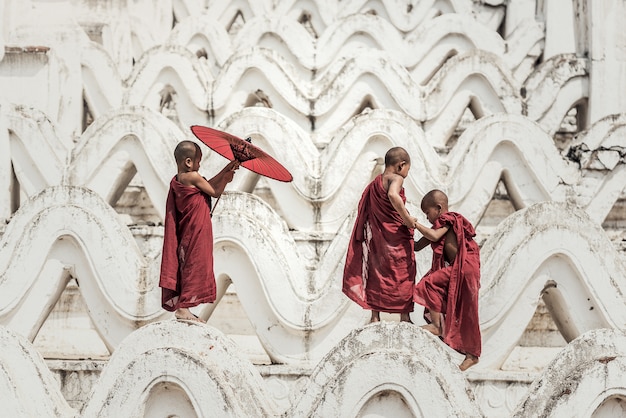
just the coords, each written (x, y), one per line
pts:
(117, 145)
(155, 73)
(349, 36)
(30, 133)
(134, 139)
(600, 151)
(198, 359)
(323, 13)
(202, 373)
(173, 67)
(383, 359)
(231, 14)
(101, 78)
(298, 314)
(484, 95)
(511, 148)
(198, 362)
(66, 232)
(487, 87)
(431, 43)
(554, 88)
(192, 100)
(587, 378)
(490, 147)
(476, 79)
(302, 321)
(524, 46)
(27, 386)
(206, 37)
(397, 12)
(335, 177)
(548, 245)
(330, 97)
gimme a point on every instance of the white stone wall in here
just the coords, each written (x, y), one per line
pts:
(514, 108)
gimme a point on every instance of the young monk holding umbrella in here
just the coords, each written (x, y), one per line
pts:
(187, 277)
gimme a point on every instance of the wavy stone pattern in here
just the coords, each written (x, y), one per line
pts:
(201, 372)
(327, 87)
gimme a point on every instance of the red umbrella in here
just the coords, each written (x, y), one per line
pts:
(234, 148)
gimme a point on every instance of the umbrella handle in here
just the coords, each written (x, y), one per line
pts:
(216, 202)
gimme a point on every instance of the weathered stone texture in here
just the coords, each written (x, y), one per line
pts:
(514, 108)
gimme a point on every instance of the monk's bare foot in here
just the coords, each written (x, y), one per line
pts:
(404, 317)
(375, 317)
(469, 361)
(184, 314)
(432, 329)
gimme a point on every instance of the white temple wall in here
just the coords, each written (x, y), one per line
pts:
(513, 108)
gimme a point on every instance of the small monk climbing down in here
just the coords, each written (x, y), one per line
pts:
(449, 290)
(379, 273)
(187, 277)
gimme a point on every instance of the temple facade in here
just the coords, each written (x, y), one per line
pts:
(515, 108)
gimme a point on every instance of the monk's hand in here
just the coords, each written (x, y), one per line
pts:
(229, 170)
(411, 222)
(232, 166)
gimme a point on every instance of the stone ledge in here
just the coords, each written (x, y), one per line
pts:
(26, 49)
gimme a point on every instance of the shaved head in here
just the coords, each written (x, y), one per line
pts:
(184, 150)
(433, 198)
(396, 155)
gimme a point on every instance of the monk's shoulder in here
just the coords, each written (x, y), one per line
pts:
(188, 179)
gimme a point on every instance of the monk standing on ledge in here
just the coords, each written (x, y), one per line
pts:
(187, 277)
(450, 288)
(379, 274)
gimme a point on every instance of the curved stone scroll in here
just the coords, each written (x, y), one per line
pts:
(33, 137)
(28, 388)
(66, 232)
(587, 373)
(128, 140)
(547, 243)
(349, 35)
(554, 88)
(382, 359)
(179, 69)
(189, 362)
(514, 149)
(298, 315)
(600, 152)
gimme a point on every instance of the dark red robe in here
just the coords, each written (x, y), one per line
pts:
(453, 289)
(187, 277)
(380, 269)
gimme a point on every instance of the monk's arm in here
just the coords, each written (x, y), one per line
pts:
(451, 246)
(396, 201)
(220, 180)
(215, 186)
(421, 243)
(201, 183)
(430, 234)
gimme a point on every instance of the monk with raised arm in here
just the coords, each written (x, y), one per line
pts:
(449, 291)
(379, 273)
(187, 277)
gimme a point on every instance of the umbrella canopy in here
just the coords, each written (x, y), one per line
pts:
(249, 156)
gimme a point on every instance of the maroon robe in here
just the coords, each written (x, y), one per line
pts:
(380, 268)
(453, 289)
(187, 277)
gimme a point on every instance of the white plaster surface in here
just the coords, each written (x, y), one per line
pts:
(513, 108)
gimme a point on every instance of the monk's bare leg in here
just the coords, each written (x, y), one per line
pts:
(435, 326)
(186, 315)
(469, 361)
(375, 317)
(404, 317)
